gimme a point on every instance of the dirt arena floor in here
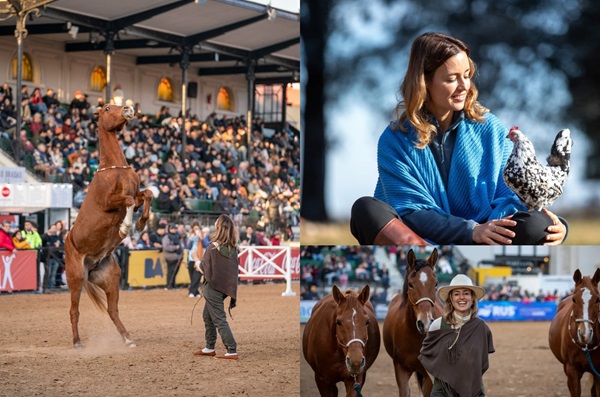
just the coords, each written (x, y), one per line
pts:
(36, 357)
(522, 366)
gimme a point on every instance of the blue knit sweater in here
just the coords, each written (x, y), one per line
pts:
(409, 178)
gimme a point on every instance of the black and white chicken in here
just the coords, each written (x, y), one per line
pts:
(538, 186)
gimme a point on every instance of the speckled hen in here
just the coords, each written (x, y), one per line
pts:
(537, 185)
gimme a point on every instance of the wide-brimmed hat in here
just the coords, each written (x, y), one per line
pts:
(461, 281)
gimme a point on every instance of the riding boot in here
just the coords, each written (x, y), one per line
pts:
(397, 233)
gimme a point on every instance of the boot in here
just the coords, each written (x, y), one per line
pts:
(397, 233)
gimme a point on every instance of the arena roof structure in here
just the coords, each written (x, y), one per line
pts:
(213, 37)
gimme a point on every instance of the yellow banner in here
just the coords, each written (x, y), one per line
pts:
(149, 269)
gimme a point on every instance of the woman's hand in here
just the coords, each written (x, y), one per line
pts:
(494, 232)
(197, 266)
(557, 232)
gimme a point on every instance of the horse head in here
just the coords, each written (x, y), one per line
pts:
(113, 117)
(352, 326)
(586, 305)
(420, 284)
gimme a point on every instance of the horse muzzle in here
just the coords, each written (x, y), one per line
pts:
(127, 112)
(355, 368)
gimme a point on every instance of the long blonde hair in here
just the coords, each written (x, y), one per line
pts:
(429, 51)
(226, 234)
(448, 312)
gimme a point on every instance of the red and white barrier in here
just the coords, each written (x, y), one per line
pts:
(270, 263)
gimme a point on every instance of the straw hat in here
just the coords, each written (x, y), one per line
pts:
(460, 281)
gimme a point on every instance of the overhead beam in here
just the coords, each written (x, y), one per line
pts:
(225, 50)
(274, 48)
(237, 70)
(166, 38)
(48, 28)
(287, 63)
(117, 45)
(204, 57)
(282, 79)
(209, 34)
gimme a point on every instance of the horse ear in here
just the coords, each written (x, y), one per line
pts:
(338, 297)
(363, 297)
(433, 258)
(410, 259)
(577, 276)
(596, 277)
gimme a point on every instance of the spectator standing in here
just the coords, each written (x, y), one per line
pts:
(31, 234)
(19, 241)
(5, 237)
(172, 250)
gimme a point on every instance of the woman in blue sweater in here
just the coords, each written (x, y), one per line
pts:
(440, 164)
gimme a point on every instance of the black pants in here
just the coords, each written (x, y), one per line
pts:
(370, 215)
(172, 267)
(194, 278)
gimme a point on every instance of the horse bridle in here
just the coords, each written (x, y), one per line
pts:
(582, 320)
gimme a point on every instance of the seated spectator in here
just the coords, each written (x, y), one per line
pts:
(43, 162)
(312, 294)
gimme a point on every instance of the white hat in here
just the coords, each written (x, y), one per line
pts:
(460, 281)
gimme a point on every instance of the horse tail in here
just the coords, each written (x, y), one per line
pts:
(96, 295)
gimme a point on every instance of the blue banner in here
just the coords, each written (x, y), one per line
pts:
(516, 311)
(488, 311)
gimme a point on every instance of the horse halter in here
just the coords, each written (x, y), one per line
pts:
(363, 343)
(581, 320)
(114, 167)
(421, 300)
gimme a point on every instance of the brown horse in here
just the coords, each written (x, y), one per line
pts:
(575, 333)
(408, 319)
(341, 341)
(105, 218)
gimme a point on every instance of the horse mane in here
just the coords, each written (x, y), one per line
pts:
(351, 298)
(419, 264)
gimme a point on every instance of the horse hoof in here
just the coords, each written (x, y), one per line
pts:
(130, 344)
(78, 346)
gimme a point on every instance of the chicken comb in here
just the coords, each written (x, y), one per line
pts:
(514, 128)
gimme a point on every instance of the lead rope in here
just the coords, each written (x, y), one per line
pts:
(357, 386)
(589, 358)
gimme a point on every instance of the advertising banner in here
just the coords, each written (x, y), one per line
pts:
(148, 268)
(18, 272)
(488, 311)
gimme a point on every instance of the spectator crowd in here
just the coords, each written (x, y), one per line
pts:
(239, 168)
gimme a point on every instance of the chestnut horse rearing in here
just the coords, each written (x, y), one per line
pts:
(409, 316)
(341, 341)
(575, 329)
(104, 220)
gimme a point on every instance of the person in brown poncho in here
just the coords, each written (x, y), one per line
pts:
(455, 350)
(219, 267)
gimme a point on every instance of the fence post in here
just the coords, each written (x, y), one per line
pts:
(288, 273)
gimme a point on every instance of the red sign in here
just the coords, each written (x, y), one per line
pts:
(18, 272)
(5, 191)
(274, 254)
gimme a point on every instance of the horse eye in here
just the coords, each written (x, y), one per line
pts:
(338, 322)
(573, 300)
(367, 322)
(410, 285)
(106, 109)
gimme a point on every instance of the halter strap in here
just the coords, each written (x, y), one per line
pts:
(425, 299)
(581, 320)
(113, 167)
(355, 340)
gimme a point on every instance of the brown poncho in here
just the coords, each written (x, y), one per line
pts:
(220, 268)
(463, 366)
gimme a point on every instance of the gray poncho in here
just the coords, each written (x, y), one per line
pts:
(462, 366)
(220, 268)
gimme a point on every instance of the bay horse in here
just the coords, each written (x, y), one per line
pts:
(341, 341)
(409, 316)
(575, 333)
(104, 220)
